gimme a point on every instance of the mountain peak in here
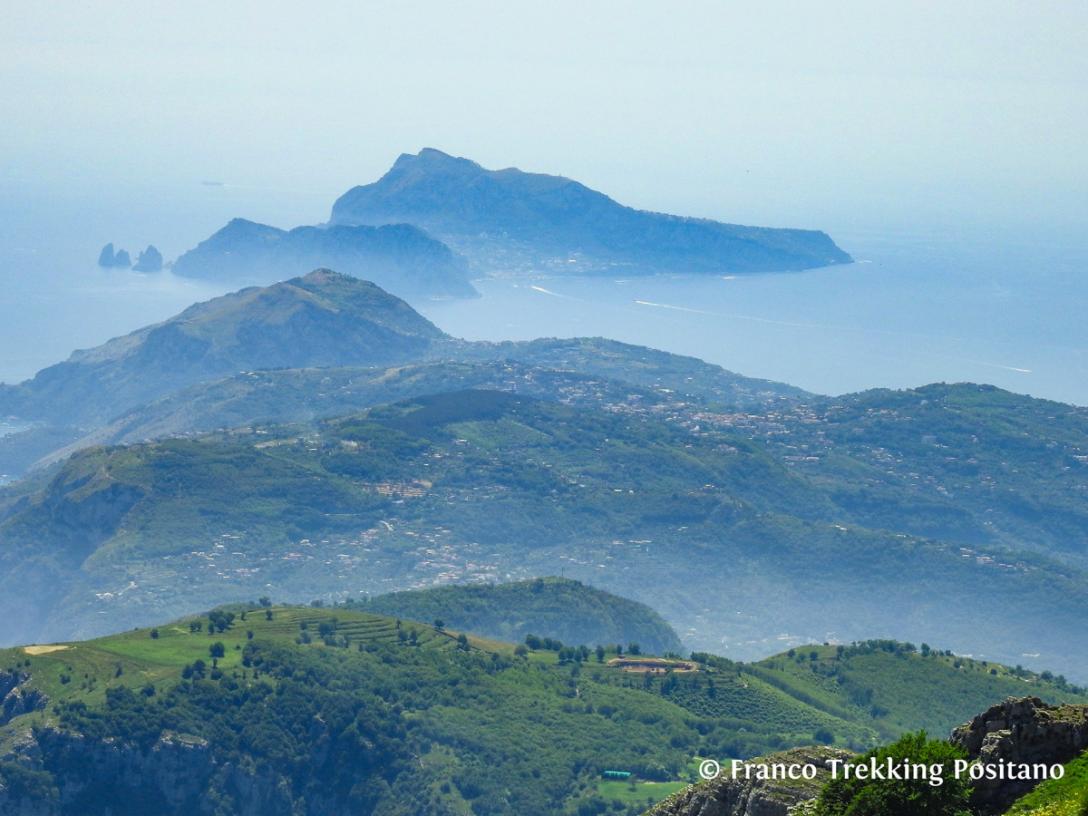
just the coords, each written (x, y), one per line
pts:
(429, 163)
(432, 157)
(323, 318)
(324, 275)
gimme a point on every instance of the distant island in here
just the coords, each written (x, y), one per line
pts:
(508, 221)
(434, 221)
(401, 258)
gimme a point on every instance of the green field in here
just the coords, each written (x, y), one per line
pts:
(1067, 796)
(637, 793)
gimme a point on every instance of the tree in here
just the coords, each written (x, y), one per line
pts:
(265, 601)
(862, 797)
(600, 654)
(439, 624)
(217, 649)
(154, 634)
(219, 620)
(462, 642)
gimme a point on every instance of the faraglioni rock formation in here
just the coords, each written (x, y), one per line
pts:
(108, 258)
(150, 260)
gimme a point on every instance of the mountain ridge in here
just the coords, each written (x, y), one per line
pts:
(508, 220)
(323, 317)
(400, 258)
(260, 707)
(478, 485)
(560, 608)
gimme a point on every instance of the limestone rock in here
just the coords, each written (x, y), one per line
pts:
(1021, 730)
(105, 257)
(726, 796)
(150, 260)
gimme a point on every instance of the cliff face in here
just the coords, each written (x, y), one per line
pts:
(173, 775)
(725, 796)
(16, 698)
(1021, 730)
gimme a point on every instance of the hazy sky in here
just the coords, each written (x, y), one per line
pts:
(827, 114)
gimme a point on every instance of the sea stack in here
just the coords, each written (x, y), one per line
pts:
(150, 260)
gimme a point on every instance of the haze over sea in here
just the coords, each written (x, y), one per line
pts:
(919, 306)
(922, 304)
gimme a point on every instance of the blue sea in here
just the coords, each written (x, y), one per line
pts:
(920, 305)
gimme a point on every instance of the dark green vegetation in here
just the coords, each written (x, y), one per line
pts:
(509, 220)
(335, 710)
(398, 257)
(262, 708)
(475, 485)
(897, 687)
(851, 796)
(551, 607)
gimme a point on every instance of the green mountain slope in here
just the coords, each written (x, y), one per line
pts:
(335, 711)
(551, 607)
(477, 486)
(279, 710)
(1067, 796)
(321, 319)
(507, 219)
(964, 462)
(902, 688)
(315, 347)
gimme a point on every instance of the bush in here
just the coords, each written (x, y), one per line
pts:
(861, 797)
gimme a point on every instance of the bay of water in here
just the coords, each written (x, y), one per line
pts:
(919, 306)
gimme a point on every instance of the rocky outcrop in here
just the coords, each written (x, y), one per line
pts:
(171, 776)
(105, 257)
(16, 698)
(1021, 730)
(150, 260)
(728, 796)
